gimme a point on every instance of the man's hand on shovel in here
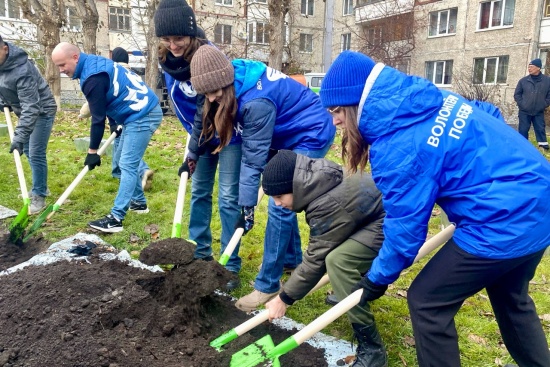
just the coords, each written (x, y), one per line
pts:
(92, 160)
(17, 146)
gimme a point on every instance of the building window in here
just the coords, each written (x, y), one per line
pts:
(74, 23)
(346, 42)
(546, 12)
(443, 22)
(402, 65)
(260, 1)
(224, 2)
(257, 33)
(9, 9)
(348, 7)
(374, 36)
(439, 72)
(222, 34)
(307, 7)
(496, 13)
(306, 42)
(491, 70)
(119, 19)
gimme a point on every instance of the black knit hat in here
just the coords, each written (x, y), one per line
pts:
(175, 18)
(119, 55)
(278, 174)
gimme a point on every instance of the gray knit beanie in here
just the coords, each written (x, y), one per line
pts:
(278, 175)
(210, 70)
(175, 18)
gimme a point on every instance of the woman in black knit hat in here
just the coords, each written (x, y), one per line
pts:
(180, 37)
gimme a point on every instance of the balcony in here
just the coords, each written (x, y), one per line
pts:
(368, 10)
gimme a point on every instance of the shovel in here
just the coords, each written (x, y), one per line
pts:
(236, 237)
(21, 221)
(52, 209)
(260, 318)
(176, 227)
(264, 350)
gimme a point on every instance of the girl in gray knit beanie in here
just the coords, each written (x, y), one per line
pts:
(268, 110)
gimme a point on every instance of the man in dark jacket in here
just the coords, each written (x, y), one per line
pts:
(532, 96)
(25, 91)
(345, 216)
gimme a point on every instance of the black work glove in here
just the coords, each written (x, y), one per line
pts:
(113, 129)
(371, 291)
(246, 219)
(92, 160)
(15, 145)
(188, 166)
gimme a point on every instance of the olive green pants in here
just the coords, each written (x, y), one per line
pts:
(345, 264)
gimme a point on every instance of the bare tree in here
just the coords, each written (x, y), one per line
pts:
(277, 13)
(87, 11)
(49, 18)
(152, 63)
(463, 84)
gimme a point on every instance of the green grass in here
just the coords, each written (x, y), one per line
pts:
(480, 341)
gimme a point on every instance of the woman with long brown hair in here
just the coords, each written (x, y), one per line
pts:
(428, 146)
(180, 38)
(268, 110)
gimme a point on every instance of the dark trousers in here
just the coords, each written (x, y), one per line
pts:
(453, 275)
(525, 121)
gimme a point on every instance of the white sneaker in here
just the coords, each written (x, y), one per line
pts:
(252, 301)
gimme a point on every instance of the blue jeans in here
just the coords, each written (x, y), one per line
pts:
(35, 150)
(229, 162)
(133, 142)
(282, 244)
(115, 162)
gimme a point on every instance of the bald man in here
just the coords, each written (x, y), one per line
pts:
(115, 92)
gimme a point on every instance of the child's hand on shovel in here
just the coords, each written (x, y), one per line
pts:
(276, 308)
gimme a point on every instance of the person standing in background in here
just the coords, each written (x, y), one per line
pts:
(25, 91)
(533, 96)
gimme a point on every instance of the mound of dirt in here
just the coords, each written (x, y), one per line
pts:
(12, 254)
(105, 313)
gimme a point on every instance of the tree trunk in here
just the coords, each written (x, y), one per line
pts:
(277, 13)
(87, 11)
(151, 66)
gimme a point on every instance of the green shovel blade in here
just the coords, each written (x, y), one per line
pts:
(38, 222)
(254, 354)
(18, 225)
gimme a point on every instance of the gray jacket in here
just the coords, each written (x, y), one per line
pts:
(24, 90)
(336, 209)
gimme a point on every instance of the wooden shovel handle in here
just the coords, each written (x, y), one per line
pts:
(17, 158)
(81, 175)
(180, 199)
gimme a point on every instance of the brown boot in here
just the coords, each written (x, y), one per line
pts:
(252, 301)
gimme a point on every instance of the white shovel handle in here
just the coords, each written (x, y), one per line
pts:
(82, 173)
(180, 200)
(17, 157)
(238, 233)
(353, 299)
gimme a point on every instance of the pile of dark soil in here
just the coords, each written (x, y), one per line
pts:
(106, 313)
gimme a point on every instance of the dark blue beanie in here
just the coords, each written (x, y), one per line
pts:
(537, 63)
(120, 55)
(345, 80)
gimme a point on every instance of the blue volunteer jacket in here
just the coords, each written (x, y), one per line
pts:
(274, 111)
(129, 98)
(431, 146)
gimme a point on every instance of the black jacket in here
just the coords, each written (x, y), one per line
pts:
(533, 97)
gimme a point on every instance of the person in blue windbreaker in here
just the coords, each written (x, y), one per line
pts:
(178, 42)
(115, 92)
(428, 146)
(268, 110)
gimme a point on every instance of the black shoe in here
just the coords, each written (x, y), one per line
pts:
(139, 208)
(108, 224)
(233, 283)
(545, 147)
(331, 300)
(370, 349)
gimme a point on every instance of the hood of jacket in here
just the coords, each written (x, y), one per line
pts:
(312, 179)
(16, 57)
(392, 100)
(247, 74)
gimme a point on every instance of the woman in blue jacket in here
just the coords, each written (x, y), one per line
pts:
(268, 110)
(179, 41)
(431, 146)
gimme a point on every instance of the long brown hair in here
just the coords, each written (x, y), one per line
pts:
(355, 151)
(219, 117)
(187, 54)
